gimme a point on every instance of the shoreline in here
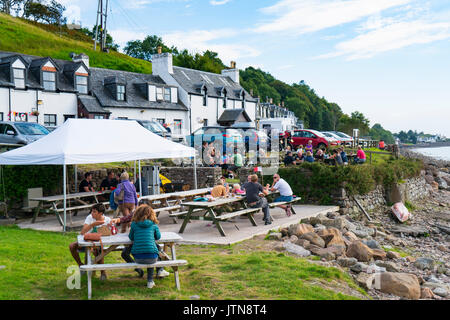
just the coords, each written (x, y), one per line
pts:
(427, 160)
(426, 145)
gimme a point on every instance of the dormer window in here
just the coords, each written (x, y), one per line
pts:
(49, 80)
(224, 99)
(243, 99)
(205, 97)
(81, 84)
(19, 78)
(159, 94)
(167, 94)
(120, 92)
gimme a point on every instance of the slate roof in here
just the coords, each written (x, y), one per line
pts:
(193, 80)
(91, 104)
(135, 98)
(231, 115)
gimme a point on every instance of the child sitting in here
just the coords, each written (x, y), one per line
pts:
(144, 232)
(237, 189)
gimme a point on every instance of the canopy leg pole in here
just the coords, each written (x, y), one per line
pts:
(140, 180)
(134, 173)
(65, 194)
(76, 178)
(195, 173)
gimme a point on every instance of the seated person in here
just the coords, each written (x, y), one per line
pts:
(110, 182)
(309, 157)
(337, 157)
(360, 156)
(300, 149)
(289, 159)
(285, 192)
(344, 156)
(237, 189)
(86, 184)
(309, 147)
(319, 155)
(94, 220)
(299, 158)
(253, 198)
(381, 145)
(219, 190)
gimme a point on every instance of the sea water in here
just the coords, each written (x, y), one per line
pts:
(442, 153)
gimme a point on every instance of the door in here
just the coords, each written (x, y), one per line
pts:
(7, 138)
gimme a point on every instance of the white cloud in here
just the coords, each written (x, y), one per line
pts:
(387, 37)
(218, 2)
(202, 40)
(121, 37)
(302, 16)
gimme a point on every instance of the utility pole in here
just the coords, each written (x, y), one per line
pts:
(102, 12)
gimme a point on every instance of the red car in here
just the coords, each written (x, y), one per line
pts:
(302, 136)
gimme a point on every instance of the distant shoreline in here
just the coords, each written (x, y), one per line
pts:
(427, 145)
(409, 153)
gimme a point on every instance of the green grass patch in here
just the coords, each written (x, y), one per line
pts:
(36, 263)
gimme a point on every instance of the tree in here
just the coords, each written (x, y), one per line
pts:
(147, 48)
(6, 6)
(40, 12)
(109, 39)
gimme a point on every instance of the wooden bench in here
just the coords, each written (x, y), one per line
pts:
(181, 214)
(276, 204)
(248, 212)
(174, 264)
(172, 208)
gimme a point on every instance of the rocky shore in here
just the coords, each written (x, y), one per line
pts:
(389, 259)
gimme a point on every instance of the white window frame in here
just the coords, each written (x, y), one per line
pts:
(159, 94)
(120, 94)
(178, 126)
(82, 85)
(45, 81)
(19, 79)
(47, 122)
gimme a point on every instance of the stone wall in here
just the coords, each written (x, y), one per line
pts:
(409, 190)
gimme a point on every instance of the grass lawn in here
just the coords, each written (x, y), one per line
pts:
(36, 263)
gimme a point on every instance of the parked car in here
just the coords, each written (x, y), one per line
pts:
(332, 137)
(21, 132)
(345, 138)
(302, 136)
(211, 133)
(50, 128)
(251, 134)
(155, 127)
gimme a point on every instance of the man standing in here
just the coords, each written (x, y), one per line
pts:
(254, 200)
(285, 192)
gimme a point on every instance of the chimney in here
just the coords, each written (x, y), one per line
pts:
(251, 92)
(232, 73)
(159, 49)
(162, 63)
(80, 57)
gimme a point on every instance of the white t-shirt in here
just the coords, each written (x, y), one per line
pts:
(90, 219)
(283, 187)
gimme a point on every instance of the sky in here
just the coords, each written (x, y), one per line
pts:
(388, 59)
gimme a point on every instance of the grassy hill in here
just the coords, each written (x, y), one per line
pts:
(19, 35)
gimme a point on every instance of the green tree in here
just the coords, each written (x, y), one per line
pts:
(109, 39)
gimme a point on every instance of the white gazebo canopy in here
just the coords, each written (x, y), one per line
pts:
(84, 141)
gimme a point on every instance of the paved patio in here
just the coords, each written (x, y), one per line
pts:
(202, 232)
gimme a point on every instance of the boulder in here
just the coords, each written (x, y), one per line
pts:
(300, 229)
(400, 284)
(440, 292)
(426, 293)
(327, 253)
(332, 236)
(410, 259)
(346, 262)
(372, 244)
(359, 267)
(393, 255)
(351, 236)
(360, 251)
(414, 231)
(313, 239)
(378, 254)
(332, 215)
(303, 243)
(429, 178)
(424, 263)
(275, 236)
(297, 250)
(284, 231)
(365, 280)
(293, 239)
(389, 265)
(338, 223)
(360, 233)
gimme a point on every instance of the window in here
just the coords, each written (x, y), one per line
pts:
(120, 93)
(225, 102)
(99, 116)
(167, 94)
(205, 122)
(19, 78)
(68, 116)
(50, 119)
(178, 126)
(1, 116)
(82, 84)
(159, 93)
(49, 80)
(162, 121)
(122, 118)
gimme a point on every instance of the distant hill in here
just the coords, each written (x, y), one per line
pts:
(19, 35)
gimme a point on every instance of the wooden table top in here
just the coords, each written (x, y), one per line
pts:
(71, 196)
(122, 239)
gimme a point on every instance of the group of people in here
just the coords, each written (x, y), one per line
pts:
(337, 156)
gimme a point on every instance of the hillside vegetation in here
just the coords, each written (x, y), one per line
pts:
(19, 35)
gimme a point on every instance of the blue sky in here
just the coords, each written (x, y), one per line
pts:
(386, 58)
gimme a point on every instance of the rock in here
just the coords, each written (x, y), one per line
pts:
(359, 267)
(318, 219)
(378, 254)
(442, 248)
(435, 185)
(351, 236)
(284, 231)
(326, 253)
(194, 297)
(346, 262)
(360, 233)
(319, 227)
(314, 239)
(410, 259)
(293, 239)
(414, 231)
(297, 250)
(337, 249)
(424, 263)
(429, 178)
(332, 236)
(441, 269)
(275, 236)
(303, 243)
(393, 255)
(389, 265)
(365, 280)
(279, 247)
(372, 244)
(300, 229)
(426, 293)
(400, 284)
(375, 269)
(338, 223)
(286, 238)
(360, 251)
(332, 215)
(440, 292)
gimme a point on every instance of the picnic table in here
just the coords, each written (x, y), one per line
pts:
(208, 210)
(112, 243)
(58, 200)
